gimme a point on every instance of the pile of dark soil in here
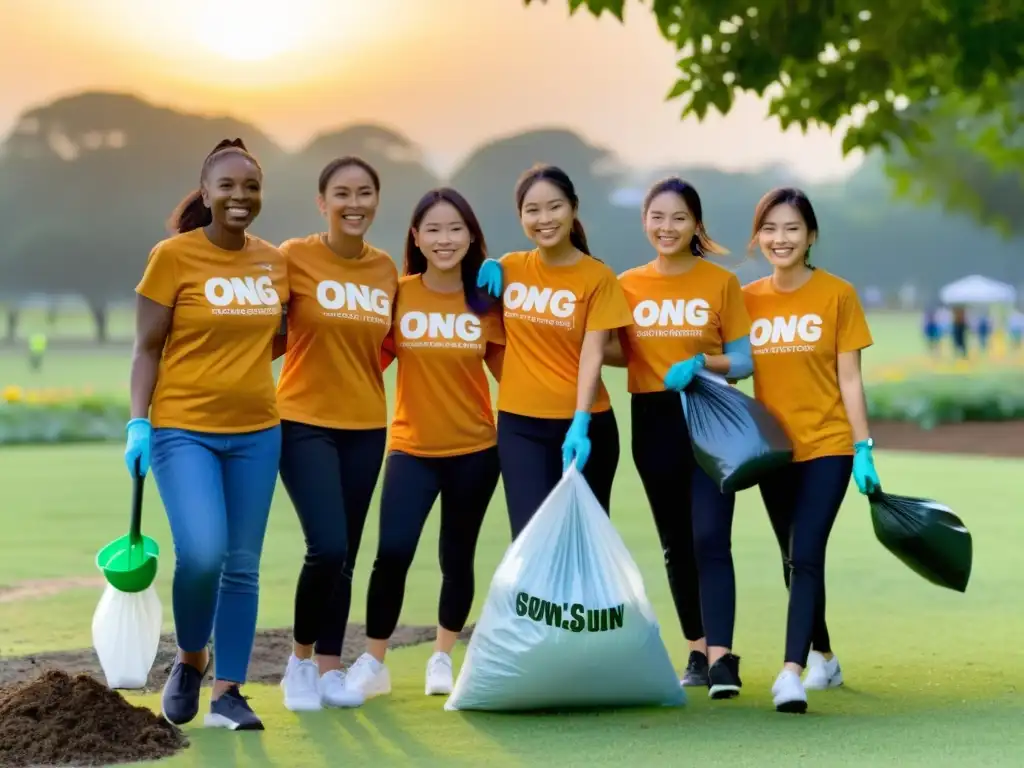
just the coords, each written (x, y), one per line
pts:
(57, 719)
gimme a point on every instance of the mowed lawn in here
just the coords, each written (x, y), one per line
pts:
(932, 675)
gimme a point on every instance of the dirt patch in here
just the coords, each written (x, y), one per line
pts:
(36, 588)
(59, 719)
(269, 655)
(997, 438)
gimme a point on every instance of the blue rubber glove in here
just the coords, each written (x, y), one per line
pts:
(864, 473)
(681, 374)
(139, 432)
(577, 444)
(740, 357)
(490, 277)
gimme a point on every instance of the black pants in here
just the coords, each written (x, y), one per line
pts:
(802, 502)
(693, 518)
(531, 461)
(411, 486)
(330, 475)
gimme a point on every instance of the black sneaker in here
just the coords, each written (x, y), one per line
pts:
(232, 711)
(180, 701)
(696, 674)
(724, 678)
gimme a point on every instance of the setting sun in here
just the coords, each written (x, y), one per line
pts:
(240, 30)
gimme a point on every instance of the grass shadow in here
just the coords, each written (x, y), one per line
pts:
(399, 736)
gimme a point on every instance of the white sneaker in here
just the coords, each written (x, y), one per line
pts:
(368, 677)
(334, 690)
(822, 673)
(439, 675)
(788, 693)
(300, 685)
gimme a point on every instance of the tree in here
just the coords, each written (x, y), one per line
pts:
(890, 75)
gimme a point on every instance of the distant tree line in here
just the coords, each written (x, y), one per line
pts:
(87, 183)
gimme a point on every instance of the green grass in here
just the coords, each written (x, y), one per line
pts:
(932, 675)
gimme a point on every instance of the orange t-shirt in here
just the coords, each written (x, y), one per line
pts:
(216, 371)
(443, 400)
(547, 311)
(796, 339)
(338, 317)
(676, 317)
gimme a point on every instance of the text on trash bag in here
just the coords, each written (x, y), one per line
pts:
(573, 618)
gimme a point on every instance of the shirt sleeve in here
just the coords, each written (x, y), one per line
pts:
(607, 308)
(159, 281)
(735, 318)
(494, 328)
(852, 332)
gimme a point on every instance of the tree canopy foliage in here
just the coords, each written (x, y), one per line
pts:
(937, 83)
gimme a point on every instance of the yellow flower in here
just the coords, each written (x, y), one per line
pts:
(13, 394)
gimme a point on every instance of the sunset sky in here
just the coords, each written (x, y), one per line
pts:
(450, 74)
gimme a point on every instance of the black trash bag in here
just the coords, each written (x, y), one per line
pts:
(736, 440)
(926, 535)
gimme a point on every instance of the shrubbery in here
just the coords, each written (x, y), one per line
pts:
(926, 399)
(937, 398)
(52, 416)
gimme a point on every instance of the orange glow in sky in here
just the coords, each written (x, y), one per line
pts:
(449, 74)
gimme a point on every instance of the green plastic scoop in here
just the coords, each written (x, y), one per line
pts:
(129, 562)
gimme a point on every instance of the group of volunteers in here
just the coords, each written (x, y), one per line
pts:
(217, 305)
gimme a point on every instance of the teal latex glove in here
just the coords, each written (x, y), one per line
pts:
(577, 444)
(681, 374)
(864, 473)
(490, 277)
(139, 432)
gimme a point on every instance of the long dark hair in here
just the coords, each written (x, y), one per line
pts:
(192, 212)
(555, 175)
(786, 196)
(416, 262)
(701, 242)
(345, 162)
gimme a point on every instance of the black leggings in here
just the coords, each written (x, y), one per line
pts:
(531, 461)
(803, 500)
(693, 518)
(411, 486)
(330, 475)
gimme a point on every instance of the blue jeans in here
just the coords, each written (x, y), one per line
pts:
(217, 490)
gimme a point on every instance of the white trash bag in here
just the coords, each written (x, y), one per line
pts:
(567, 622)
(126, 635)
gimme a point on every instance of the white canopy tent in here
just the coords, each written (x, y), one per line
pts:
(976, 289)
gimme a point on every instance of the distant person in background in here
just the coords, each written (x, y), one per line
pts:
(443, 441)
(983, 328)
(688, 316)
(553, 409)
(932, 331)
(202, 392)
(959, 331)
(333, 417)
(808, 333)
(36, 350)
(1015, 328)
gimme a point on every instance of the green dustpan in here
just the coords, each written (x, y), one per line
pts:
(129, 562)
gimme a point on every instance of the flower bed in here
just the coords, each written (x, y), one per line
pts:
(60, 416)
(949, 398)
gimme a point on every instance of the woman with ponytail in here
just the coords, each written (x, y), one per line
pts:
(203, 406)
(560, 305)
(688, 316)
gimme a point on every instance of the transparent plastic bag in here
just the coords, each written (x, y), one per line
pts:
(736, 440)
(926, 536)
(126, 635)
(567, 623)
